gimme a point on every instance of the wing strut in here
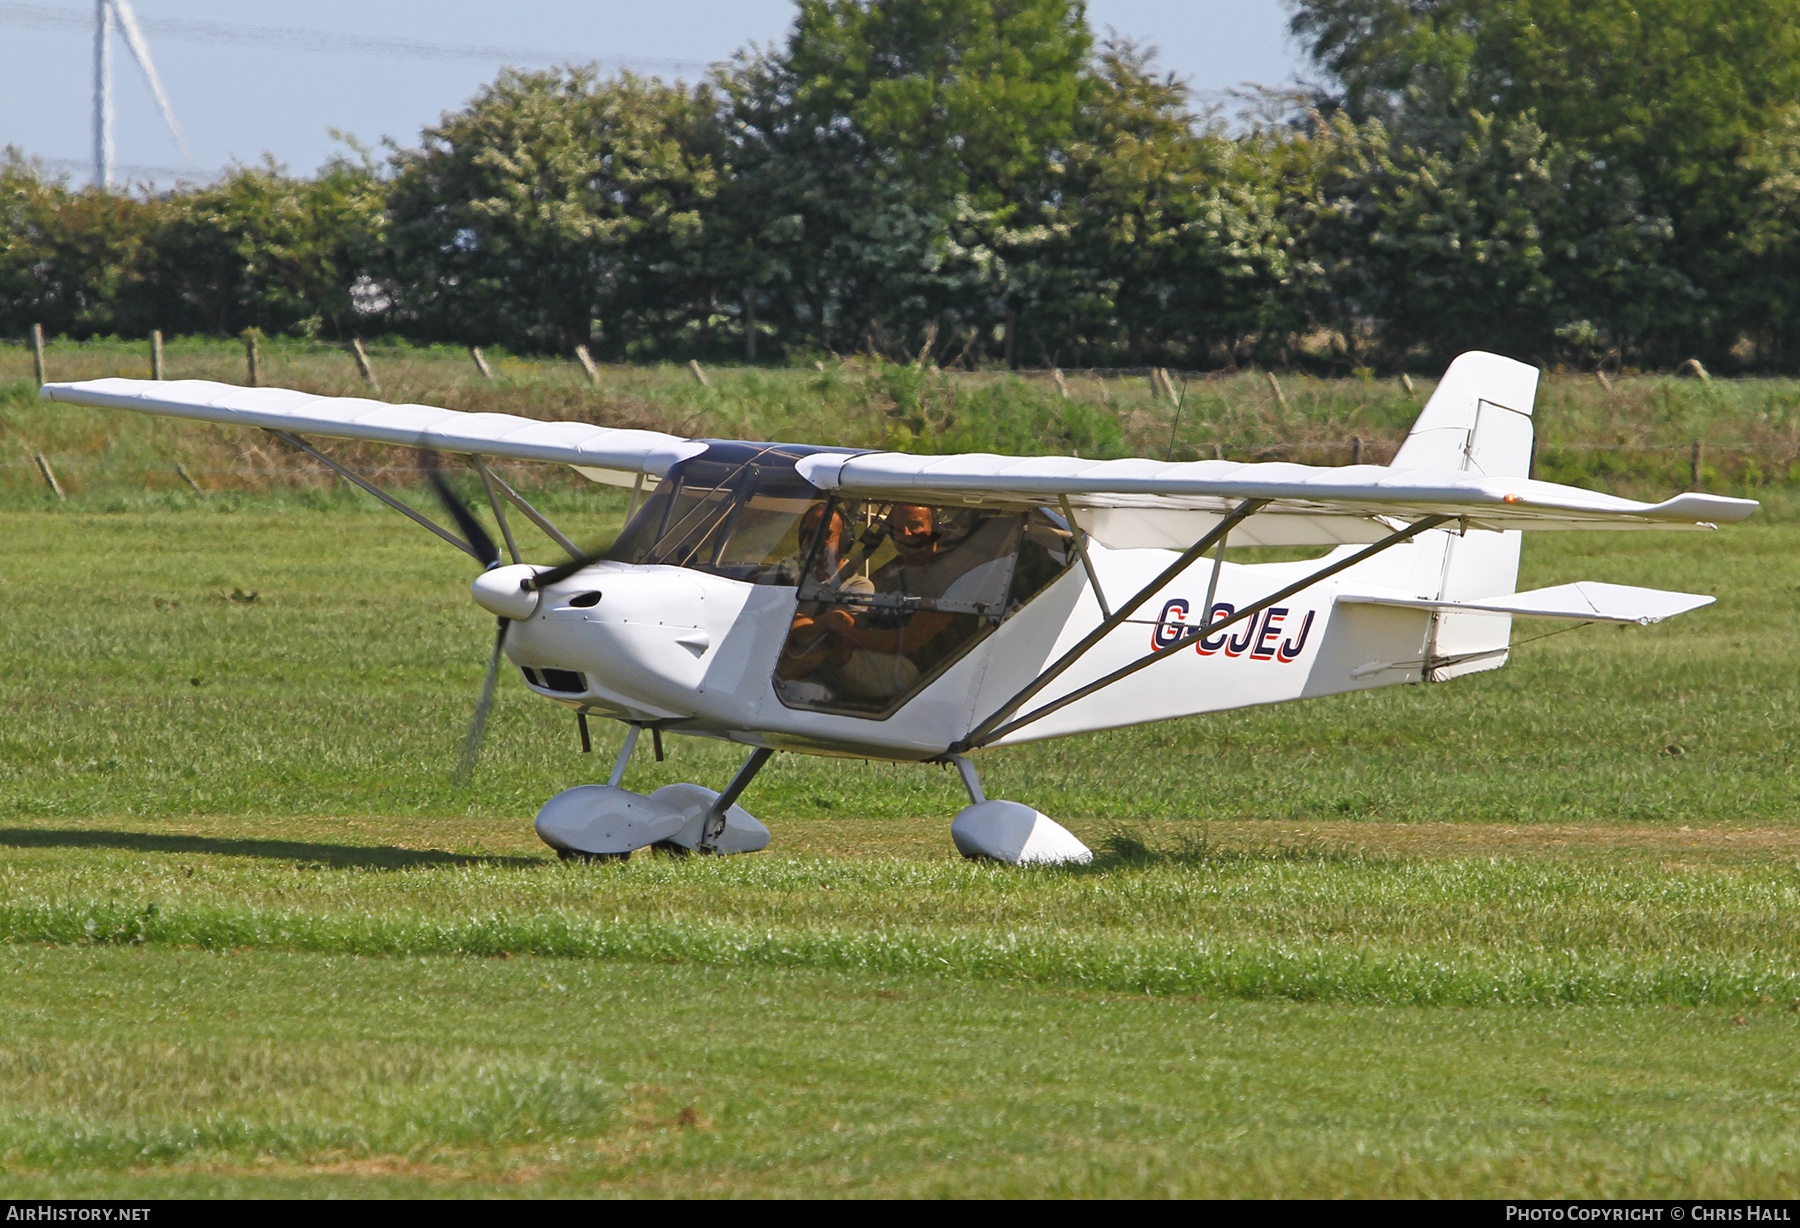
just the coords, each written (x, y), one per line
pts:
(532, 514)
(1081, 549)
(991, 730)
(982, 734)
(487, 484)
(294, 441)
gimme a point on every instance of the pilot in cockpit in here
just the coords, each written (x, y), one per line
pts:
(867, 654)
(897, 626)
(893, 648)
(812, 642)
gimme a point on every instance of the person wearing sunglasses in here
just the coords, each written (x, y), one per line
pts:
(892, 651)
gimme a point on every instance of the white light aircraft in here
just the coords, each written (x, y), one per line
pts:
(876, 605)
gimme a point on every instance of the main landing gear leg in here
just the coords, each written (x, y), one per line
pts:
(715, 817)
(1009, 831)
(970, 780)
(618, 772)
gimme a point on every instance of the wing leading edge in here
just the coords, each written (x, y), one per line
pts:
(1130, 502)
(1214, 486)
(606, 449)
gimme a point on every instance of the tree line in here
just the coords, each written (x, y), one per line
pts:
(983, 181)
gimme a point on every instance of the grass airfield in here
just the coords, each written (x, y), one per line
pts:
(1529, 934)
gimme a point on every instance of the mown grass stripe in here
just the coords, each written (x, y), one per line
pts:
(1167, 965)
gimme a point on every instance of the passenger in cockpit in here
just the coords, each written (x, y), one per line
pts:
(813, 641)
(895, 648)
(865, 642)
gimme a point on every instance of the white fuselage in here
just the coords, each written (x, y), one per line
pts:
(698, 651)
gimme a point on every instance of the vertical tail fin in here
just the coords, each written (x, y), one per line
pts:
(1478, 421)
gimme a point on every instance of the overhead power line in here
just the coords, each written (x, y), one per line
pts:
(133, 170)
(49, 17)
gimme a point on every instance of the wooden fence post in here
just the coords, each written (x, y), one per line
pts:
(362, 364)
(1062, 385)
(1605, 384)
(37, 352)
(1406, 383)
(43, 465)
(925, 347)
(1275, 387)
(181, 471)
(1356, 449)
(694, 366)
(156, 357)
(587, 364)
(1694, 467)
(251, 356)
(481, 363)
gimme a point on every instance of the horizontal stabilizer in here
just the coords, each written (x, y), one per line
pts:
(1588, 600)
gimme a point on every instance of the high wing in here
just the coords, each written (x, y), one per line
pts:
(1467, 456)
(1156, 491)
(608, 451)
(1124, 503)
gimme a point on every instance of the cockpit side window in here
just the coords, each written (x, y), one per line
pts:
(892, 594)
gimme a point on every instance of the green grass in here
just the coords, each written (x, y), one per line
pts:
(1531, 933)
(139, 1073)
(1243, 922)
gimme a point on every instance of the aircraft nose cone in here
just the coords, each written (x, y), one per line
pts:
(500, 591)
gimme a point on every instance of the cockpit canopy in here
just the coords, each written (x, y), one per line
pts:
(890, 594)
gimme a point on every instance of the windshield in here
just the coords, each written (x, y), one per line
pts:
(734, 511)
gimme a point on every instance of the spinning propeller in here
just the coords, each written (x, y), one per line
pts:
(489, 555)
(562, 571)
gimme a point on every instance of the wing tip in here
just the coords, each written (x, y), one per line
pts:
(1696, 507)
